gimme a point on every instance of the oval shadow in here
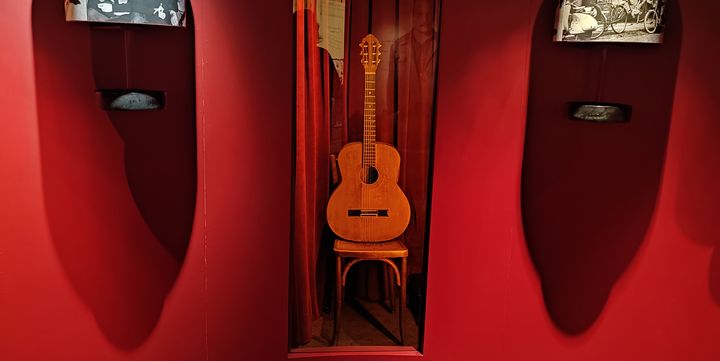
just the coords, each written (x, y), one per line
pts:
(119, 187)
(589, 189)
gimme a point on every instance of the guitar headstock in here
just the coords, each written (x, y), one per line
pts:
(370, 53)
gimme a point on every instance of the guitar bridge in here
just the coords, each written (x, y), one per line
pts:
(367, 212)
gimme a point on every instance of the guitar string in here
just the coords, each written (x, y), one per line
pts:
(370, 151)
(368, 144)
(366, 166)
(367, 157)
(363, 222)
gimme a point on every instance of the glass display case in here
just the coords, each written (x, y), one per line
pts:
(365, 83)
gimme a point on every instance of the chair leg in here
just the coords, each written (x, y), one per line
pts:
(392, 281)
(403, 297)
(385, 287)
(338, 300)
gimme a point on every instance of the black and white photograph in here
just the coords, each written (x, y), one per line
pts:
(620, 21)
(151, 12)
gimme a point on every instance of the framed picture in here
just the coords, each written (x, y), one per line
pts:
(151, 12)
(620, 21)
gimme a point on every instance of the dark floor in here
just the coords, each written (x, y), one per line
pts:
(365, 324)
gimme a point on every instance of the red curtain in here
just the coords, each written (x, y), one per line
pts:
(411, 87)
(329, 113)
(311, 183)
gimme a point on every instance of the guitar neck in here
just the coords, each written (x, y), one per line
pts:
(369, 121)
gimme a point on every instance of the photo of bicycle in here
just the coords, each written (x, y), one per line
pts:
(629, 21)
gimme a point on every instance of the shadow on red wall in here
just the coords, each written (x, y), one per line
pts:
(119, 187)
(698, 202)
(698, 196)
(589, 189)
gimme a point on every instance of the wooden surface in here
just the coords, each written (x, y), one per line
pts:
(374, 250)
(352, 193)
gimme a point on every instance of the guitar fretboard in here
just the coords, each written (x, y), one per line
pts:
(369, 121)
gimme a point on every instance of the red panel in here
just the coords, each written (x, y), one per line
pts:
(113, 195)
(589, 189)
(247, 90)
(484, 299)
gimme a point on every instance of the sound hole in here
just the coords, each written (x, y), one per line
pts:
(370, 175)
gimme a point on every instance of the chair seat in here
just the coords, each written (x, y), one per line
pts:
(370, 250)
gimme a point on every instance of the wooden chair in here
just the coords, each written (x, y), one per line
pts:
(350, 253)
(356, 252)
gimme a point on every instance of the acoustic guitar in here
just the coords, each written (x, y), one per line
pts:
(368, 205)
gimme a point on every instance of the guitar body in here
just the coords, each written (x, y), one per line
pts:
(375, 212)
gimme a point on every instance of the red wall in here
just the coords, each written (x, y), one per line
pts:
(229, 301)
